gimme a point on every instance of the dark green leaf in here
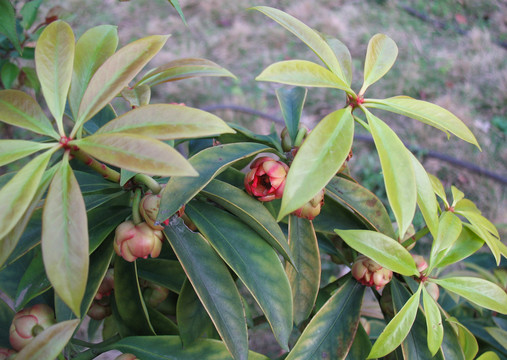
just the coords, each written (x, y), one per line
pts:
(291, 102)
(103, 220)
(6, 315)
(361, 346)
(29, 13)
(8, 23)
(8, 74)
(167, 273)
(334, 215)
(33, 283)
(176, 5)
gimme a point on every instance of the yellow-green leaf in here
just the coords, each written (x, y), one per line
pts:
(434, 325)
(94, 47)
(438, 188)
(54, 58)
(17, 194)
(427, 113)
(449, 229)
(65, 237)
(477, 291)
(342, 53)
(183, 69)
(319, 158)
(309, 36)
(489, 355)
(398, 171)
(302, 73)
(20, 109)
(380, 57)
(166, 121)
(137, 96)
(136, 153)
(397, 329)
(466, 339)
(115, 74)
(382, 249)
(12, 150)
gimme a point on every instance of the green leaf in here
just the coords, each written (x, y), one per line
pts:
(115, 74)
(33, 283)
(176, 4)
(20, 109)
(253, 260)
(433, 322)
(193, 320)
(309, 36)
(129, 299)
(29, 13)
(498, 334)
(466, 339)
(102, 221)
(305, 281)
(54, 57)
(382, 249)
(183, 69)
(457, 195)
(380, 57)
(426, 198)
(18, 193)
(334, 215)
(427, 113)
(64, 237)
(317, 161)
(477, 291)
(213, 284)
(31, 80)
(6, 315)
(8, 23)
(302, 73)
(167, 122)
(466, 244)
(169, 348)
(137, 96)
(136, 153)
(341, 53)
(331, 332)
(397, 329)
(9, 74)
(161, 323)
(251, 211)
(156, 271)
(12, 150)
(361, 346)
(49, 343)
(291, 102)
(398, 171)
(93, 48)
(451, 347)
(363, 202)
(208, 163)
(489, 355)
(438, 188)
(449, 229)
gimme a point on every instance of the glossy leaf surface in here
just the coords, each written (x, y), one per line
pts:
(213, 284)
(94, 47)
(380, 57)
(136, 153)
(183, 69)
(301, 73)
(382, 249)
(54, 58)
(20, 109)
(427, 113)
(208, 163)
(291, 103)
(449, 229)
(435, 333)
(305, 281)
(65, 237)
(251, 211)
(466, 244)
(343, 56)
(477, 291)
(167, 122)
(317, 161)
(398, 171)
(331, 332)
(12, 150)
(18, 193)
(253, 260)
(115, 74)
(466, 339)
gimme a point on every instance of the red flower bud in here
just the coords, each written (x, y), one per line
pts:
(369, 273)
(134, 241)
(266, 180)
(312, 208)
(6, 353)
(28, 323)
(420, 263)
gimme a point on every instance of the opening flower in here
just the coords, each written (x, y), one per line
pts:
(266, 180)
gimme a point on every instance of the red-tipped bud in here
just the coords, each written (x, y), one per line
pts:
(420, 263)
(127, 357)
(369, 273)
(266, 180)
(28, 323)
(6, 353)
(312, 208)
(433, 290)
(154, 294)
(137, 241)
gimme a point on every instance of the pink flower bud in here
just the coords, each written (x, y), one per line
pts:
(28, 323)
(433, 290)
(137, 241)
(420, 263)
(312, 208)
(369, 273)
(6, 353)
(127, 357)
(266, 180)
(106, 286)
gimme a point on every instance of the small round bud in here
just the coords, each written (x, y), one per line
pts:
(312, 208)
(420, 263)
(369, 273)
(28, 323)
(137, 241)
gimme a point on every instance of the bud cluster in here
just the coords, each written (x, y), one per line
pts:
(101, 305)
(369, 273)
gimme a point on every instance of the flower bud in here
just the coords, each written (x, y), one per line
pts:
(106, 286)
(286, 140)
(127, 357)
(433, 290)
(137, 241)
(420, 263)
(369, 273)
(6, 353)
(28, 323)
(266, 180)
(148, 208)
(154, 294)
(101, 305)
(100, 309)
(312, 208)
